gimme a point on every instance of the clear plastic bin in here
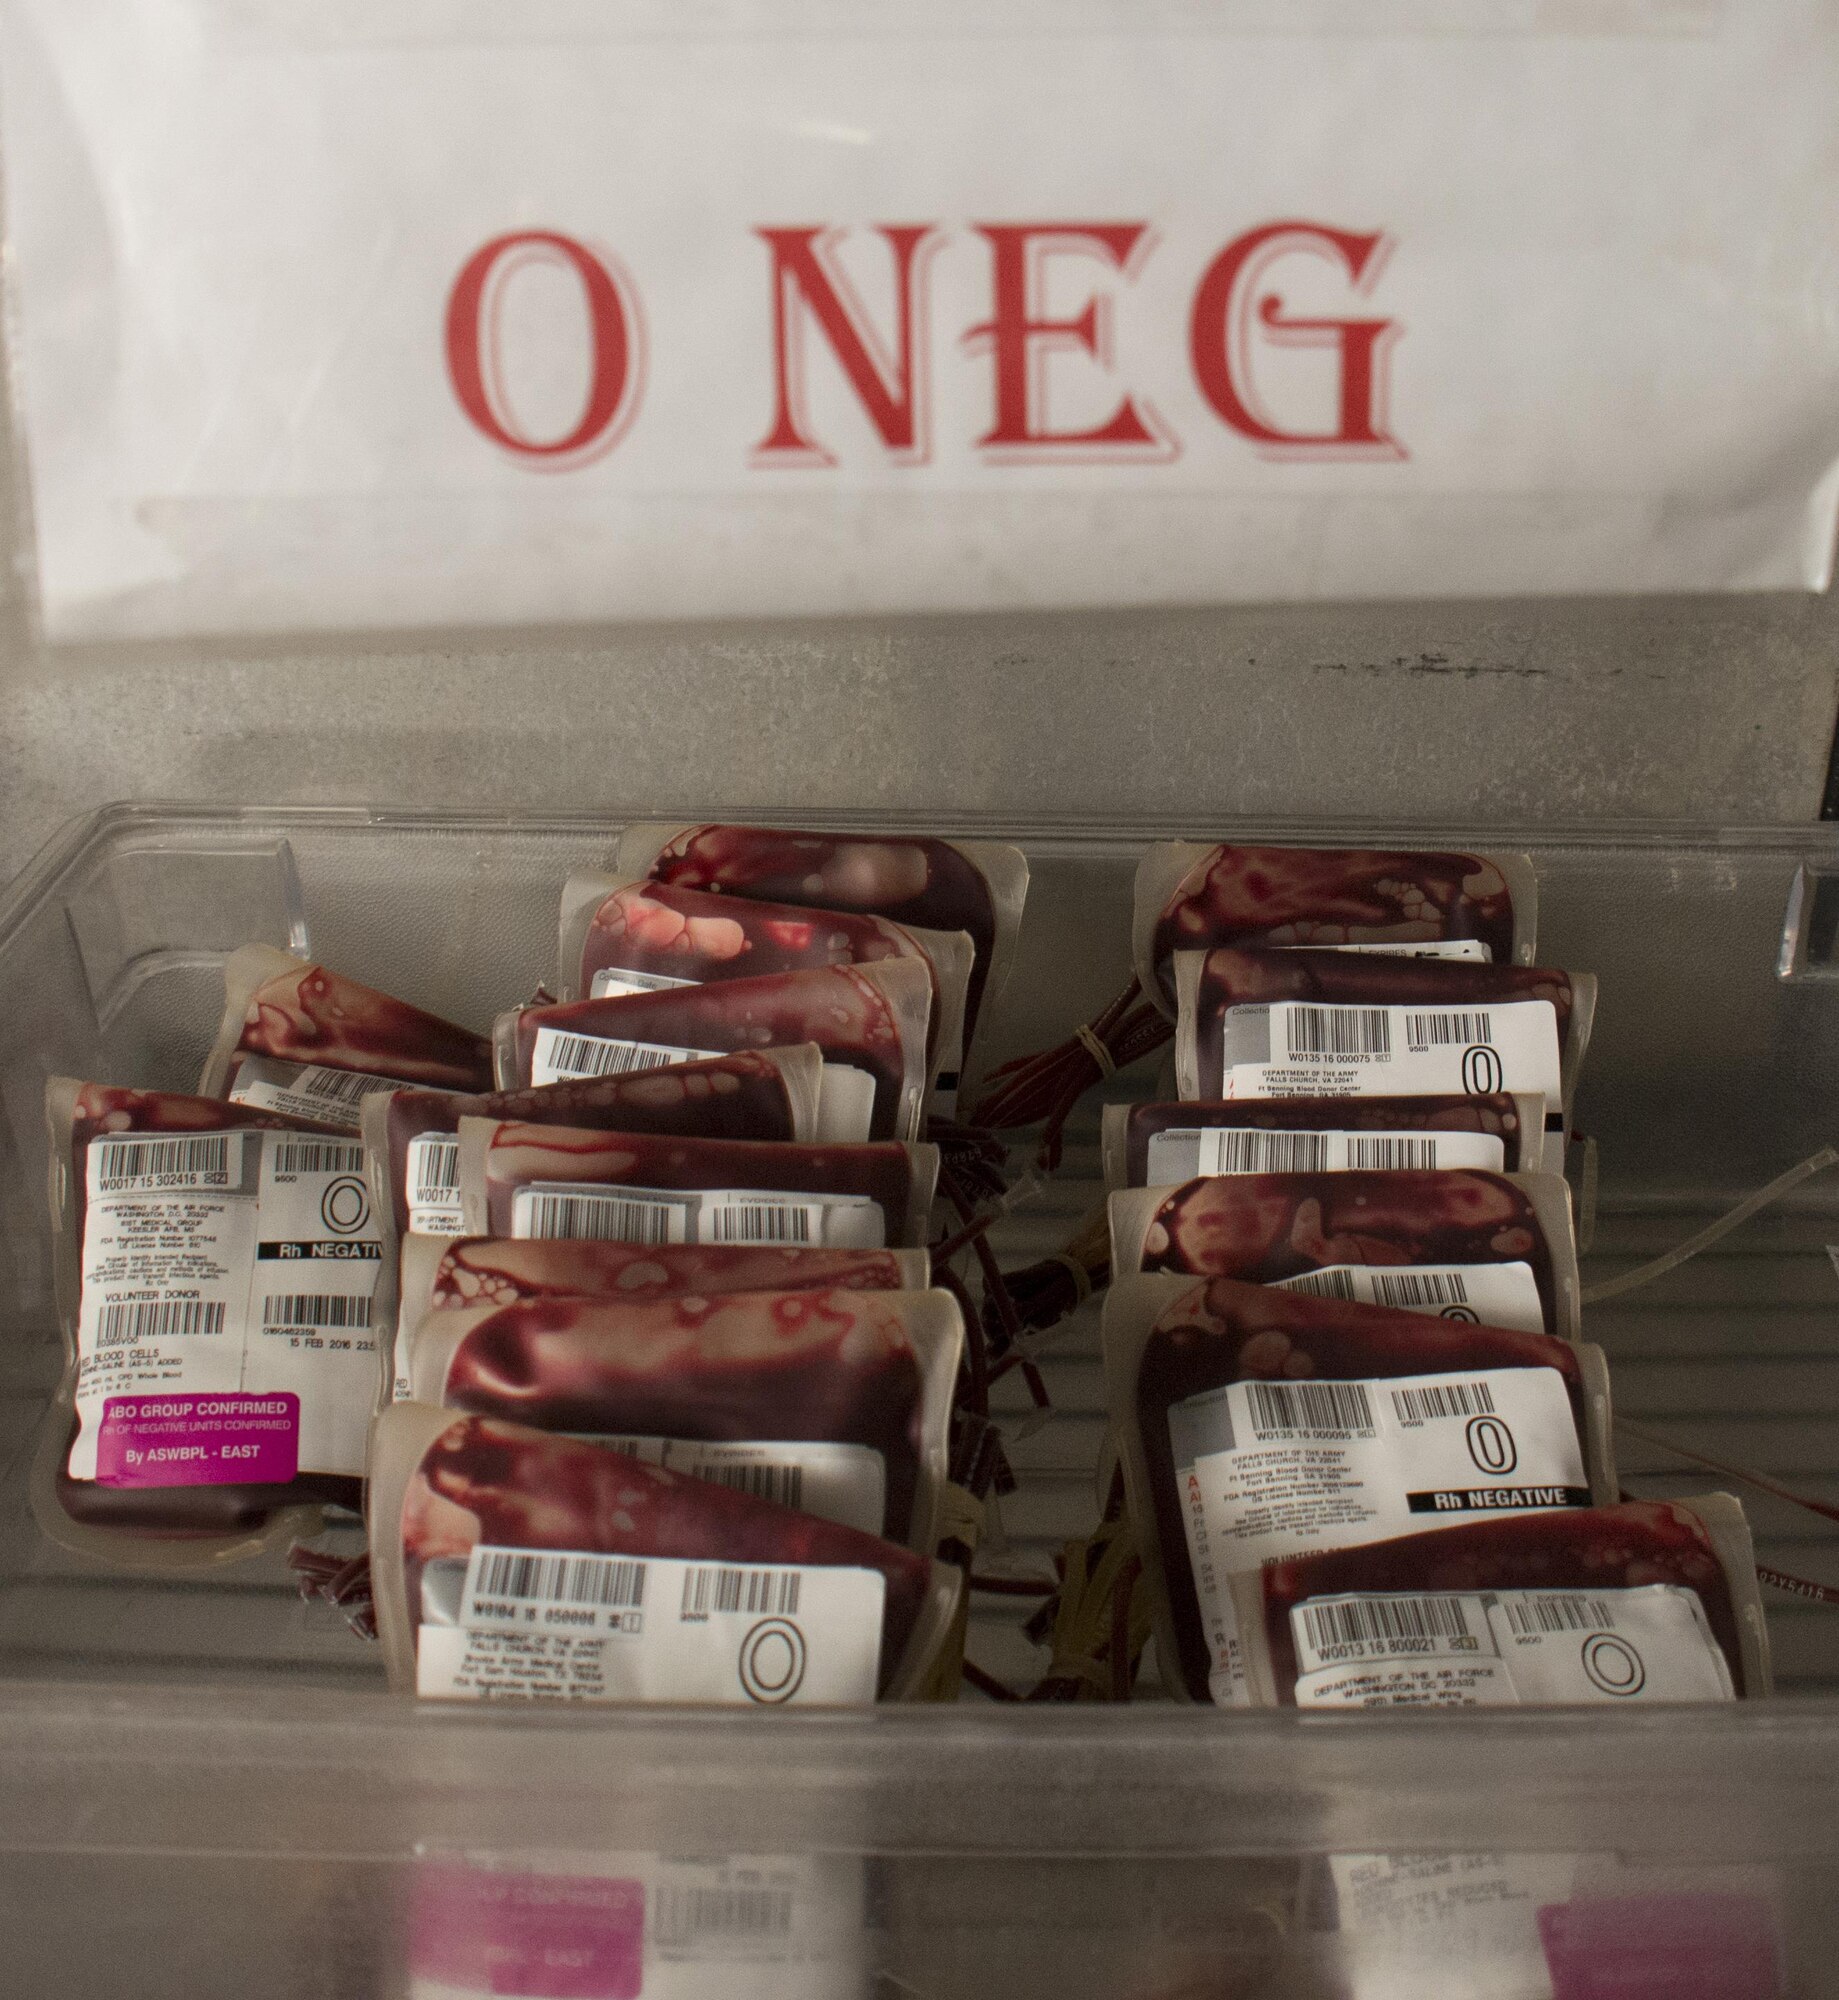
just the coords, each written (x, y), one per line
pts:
(204, 1788)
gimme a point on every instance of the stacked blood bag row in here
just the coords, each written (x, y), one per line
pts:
(619, 1323)
(1368, 1459)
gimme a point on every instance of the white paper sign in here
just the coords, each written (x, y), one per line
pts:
(407, 314)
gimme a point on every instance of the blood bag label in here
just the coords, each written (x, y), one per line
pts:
(1186, 1153)
(523, 1624)
(557, 1057)
(198, 1440)
(1470, 1649)
(255, 1279)
(308, 1091)
(431, 1177)
(612, 1214)
(1296, 1048)
(613, 982)
(1483, 1294)
(1268, 1470)
(847, 1483)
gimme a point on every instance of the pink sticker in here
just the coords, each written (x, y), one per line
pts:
(528, 1937)
(1660, 1948)
(225, 1440)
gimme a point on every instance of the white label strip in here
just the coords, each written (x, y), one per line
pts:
(846, 1483)
(1187, 1153)
(583, 1627)
(1295, 1048)
(709, 1215)
(1486, 1294)
(1467, 951)
(1498, 1648)
(308, 1090)
(611, 981)
(557, 1057)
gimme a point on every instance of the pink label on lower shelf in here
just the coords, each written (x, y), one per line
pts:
(224, 1440)
(1660, 1948)
(535, 1937)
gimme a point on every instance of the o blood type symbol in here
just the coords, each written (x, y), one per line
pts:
(773, 1661)
(1614, 1665)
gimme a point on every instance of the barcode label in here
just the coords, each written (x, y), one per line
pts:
(694, 1913)
(316, 1309)
(342, 1086)
(846, 1483)
(1412, 1289)
(1483, 1294)
(1390, 1153)
(758, 1222)
(1339, 1031)
(1498, 1648)
(1290, 1048)
(1527, 1613)
(1379, 1626)
(1443, 1399)
(157, 1319)
(565, 1625)
(1313, 1406)
(601, 1218)
(557, 1057)
(315, 1156)
(113, 1163)
(1239, 1150)
(1442, 1027)
(608, 1583)
(1337, 1282)
(434, 1169)
(756, 1592)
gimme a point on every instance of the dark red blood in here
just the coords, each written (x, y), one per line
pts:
(492, 1270)
(1353, 979)
(1496, 1114)
(316, 1016)
(698, 935)
(1602, 1548)
(521, 1154)
(847, 1016)
(1224, 1332)
(1262, 1227)
(800, 1366)
(728, 1097)
(1329, 896)
(181, 1511)
(526, 1490)
(913, 879)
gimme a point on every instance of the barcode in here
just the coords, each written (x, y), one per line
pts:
(341, 1086)
(317, 1156)
(157, 1319)
(1339, 1031)
(784, 1484)
(772, 1592)
(587, 1055)
(603, 1218)
(1386, 1621)
(1527, 1615)
(437, 1168)
(685, 1912)
(315, 1309)
(1419, 1288)
(1323, 1406)
(127, 1159)
(758, 1222)
(1247, 1152)
(1447, 1399)
(1323, 1285)
(1391, 1154)
(611, 1582)
(1425, 1031)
